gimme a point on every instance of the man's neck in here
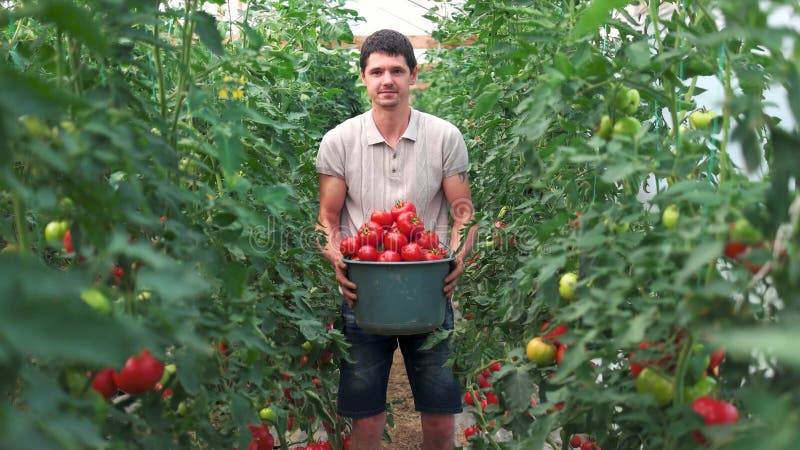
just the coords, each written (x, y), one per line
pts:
(392, 123)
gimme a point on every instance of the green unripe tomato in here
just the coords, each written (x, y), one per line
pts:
(605, 127)
(34, 126)
(627, 126)
(96, 300)
(632, 97)
(745, 233)
(268, 414)
(54, 232)
(169, 369)
(704, 386)
(700, 120)
(627, 100)
(183, 408)
(670, 216)
(306, 346)
(566, 285)
(651, 382)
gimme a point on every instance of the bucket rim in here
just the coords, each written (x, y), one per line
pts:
(399, 263)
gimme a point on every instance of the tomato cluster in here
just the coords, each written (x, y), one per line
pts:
(583, 443)
(140, 374)
(393, 236)
(482, 397)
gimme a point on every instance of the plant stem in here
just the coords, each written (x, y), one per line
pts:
(188, 28)
(726, 123)
(19, 219)
(17, 32)
(59, 55)
(159, 75)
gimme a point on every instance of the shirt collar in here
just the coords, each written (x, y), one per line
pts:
(374, 136)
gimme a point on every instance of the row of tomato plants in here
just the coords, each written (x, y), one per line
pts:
(160, 283)
(621, 211)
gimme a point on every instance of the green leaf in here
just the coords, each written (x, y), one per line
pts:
(40, 307)
(486, 100)
(702, 255)
(778, 341)
(745, 133)
(636, 328)
(617, 171)
(23, 94)
(74, 20)
(785, 147)
(638, 54)
(595, 15)
(172, 283)
(254, 39)
(517, 389)
(206, 29)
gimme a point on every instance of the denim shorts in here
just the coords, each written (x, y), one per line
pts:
(363, 382)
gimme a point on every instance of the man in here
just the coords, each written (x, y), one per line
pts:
(393, 152)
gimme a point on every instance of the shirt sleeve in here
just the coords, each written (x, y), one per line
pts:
(455, 157)
(330, 157)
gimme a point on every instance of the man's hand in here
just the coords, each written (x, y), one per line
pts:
(348, 287)
(450, 281)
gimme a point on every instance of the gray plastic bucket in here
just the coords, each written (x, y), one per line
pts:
(399, 297)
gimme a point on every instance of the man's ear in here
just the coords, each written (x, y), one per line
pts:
(414, 74)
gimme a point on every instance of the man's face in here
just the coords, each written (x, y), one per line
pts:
(387, 79)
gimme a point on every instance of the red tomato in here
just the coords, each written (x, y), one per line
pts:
(349, 246)
(491, 398)
(370, 236)
(715, 359)
(262, 438)
(576, 441)
(431, 255)
(428, 239)
(638, 364)
(223, 348)
(368, 253)
(140, 373)
(556, 332)
(103, 383)
(733, 249)
(389, 256)
(382, 217)
(374, 226)
(346, 441)
(483, 382)
(470, 431)
(412, 252)
(67, 239)
(715, 412)
(409, 224)
(402, 206)
(394, 240)
(561, 348)
(468, 398)
(495, 366)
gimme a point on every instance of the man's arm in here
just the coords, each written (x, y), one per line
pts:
(332, 193)
(458, 194)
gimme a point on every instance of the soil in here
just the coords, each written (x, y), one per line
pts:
(406, 433)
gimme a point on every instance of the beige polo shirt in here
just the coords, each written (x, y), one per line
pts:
(377, 175)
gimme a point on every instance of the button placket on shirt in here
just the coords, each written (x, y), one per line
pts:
(394, 164)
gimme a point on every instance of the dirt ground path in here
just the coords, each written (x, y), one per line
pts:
(406, 433)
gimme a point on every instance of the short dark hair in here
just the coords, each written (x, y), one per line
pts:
(390, 42)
